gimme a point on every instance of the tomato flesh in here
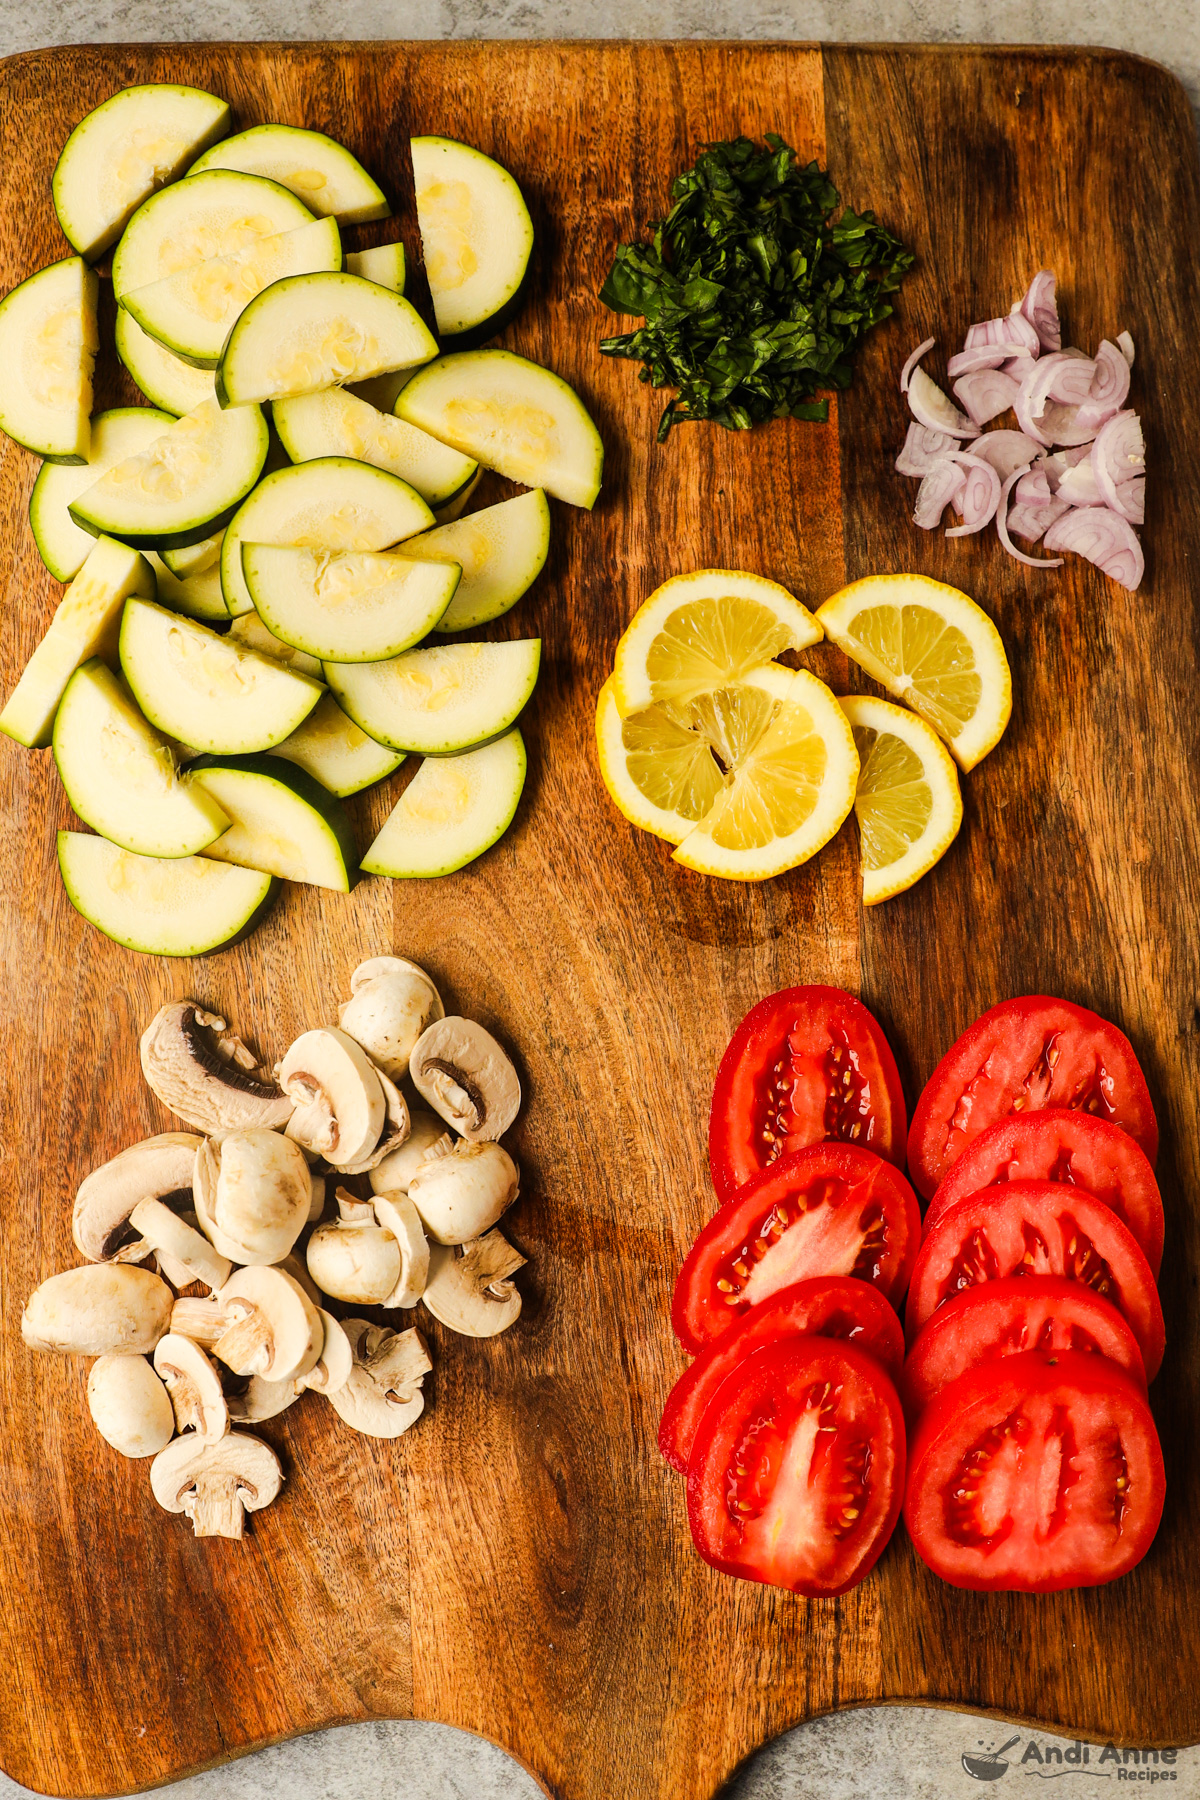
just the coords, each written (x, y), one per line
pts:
(1027, 1228)
(1035, 1473)
(1071, 1147)
(1010, 1317)
(797, 1472)
(1020, 1057)
(828, 1210)
(825, 1306)
(809, 1065)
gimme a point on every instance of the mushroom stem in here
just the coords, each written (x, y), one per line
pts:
(217, 1509)
(204, 1321)
(247, 1346)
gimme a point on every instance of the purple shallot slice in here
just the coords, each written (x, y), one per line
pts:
(1002, 526)
(1013, 330)
(1104, 538)
(979, 497)
(1006, 451)
(1119, 461)
(922, 448)
(929, 406)
(985, 394)
(942, 486)
(1040, 307)
(920, 351)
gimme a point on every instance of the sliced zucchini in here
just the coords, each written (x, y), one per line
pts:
(330, 181)
(63, 545)
(384, 264)
(476, 234)
(512, 416)
(500, 550)
(346, 606)
(453, 809)
(85, 624)
(48, 343)
(120, 775)
(319, 331)
(203, 216)
(178, 906)
(284, 822)
(136, 141)
(440, 701)
(189, 480)
(163, 378)
(335, 752)
(333, 503)
(197, 596)
(193, 559)
(192, 312)
(205, 691)
(250, 630)
(453, 509)
(335, 423)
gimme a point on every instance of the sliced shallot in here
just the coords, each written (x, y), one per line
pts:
(1014, 330)
(1033, 489)
(1030, 518)
(1007, 451)
(1119, 461)
(943, 484)
(980, 495)
(985, 356)
(985, 394)
(1047, 401)
(1040, 307)
(1057, 465)
(929, 406)
(920, 351)
(1104, 537)
(1125, 346)
(1109, 389)
(922, 448)
(1033, 562)
(1079, 486)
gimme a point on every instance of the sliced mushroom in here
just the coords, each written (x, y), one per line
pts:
(467, 1287)
(253, 1193)
(339, 1100)
(263, 1399)
(204, 1321)
(130, 1406)
(461, 1189)
(395, 1131)
(158, 1169)
(181, 1251)
(401, 1218)
(278, 1332)
(382, 1396)
(354, 1258)
(392, 1002)
(100, 1310)
(267, 1399)
(205, 1074)
(191, 1378)
(216, 1485)
(466, 1077)
(394, 1171)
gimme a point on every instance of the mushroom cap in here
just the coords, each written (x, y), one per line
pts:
(253, 1192)
(263, 1399)
(216, 1484)
(159, 1168)
(396, 1127)
(468, 1289)
(339, 1101)
(462, 1190)
(181, 1250)
(102, 1309)
(130, 1406)
(398, 1214)
(392, 1002)
(466, 1077)
(394, 1171)
(281, 1334)
(382, 1396)
(197, 1397)
(203, 1072)
(337, 1359)
(355, 1263)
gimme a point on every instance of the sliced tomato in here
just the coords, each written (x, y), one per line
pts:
(830, 1210)
(1022, 1056)
(1018, 1313)
(1057, 1145)
(797, 1472)
(1025, 1228)
(1035, 1473)
(806, 1066)
(833, 1306)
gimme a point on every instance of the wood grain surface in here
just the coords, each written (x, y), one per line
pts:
(519, 1564)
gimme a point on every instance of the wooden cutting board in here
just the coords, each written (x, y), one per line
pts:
(519, 1565)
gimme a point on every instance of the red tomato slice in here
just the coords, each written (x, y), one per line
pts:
(1026, 1228)
(1035, 1473)
(833, 1306)
(797, 1472)
(1046, 1313)
(830, 1210)
(806, 1066)
(1057, 1145)
(1020, 1057)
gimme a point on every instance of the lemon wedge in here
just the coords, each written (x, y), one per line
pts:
(932, 647)
(791, 790)
(704, 631)
(908, 803)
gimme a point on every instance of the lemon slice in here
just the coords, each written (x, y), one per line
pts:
(790, 793)
(931, 647)
(705, 631)
(666, 766)
(908, 803)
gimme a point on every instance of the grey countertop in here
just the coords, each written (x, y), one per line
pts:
(909, 1753)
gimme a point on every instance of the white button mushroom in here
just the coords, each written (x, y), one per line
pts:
(160, 1169)
(382, 1396)
(130, 1406)
(265, 1399)
(253, 1193)
(398, 1214)
(467, 1287)
(181, 1251)
(191, 1379)
(392, 1001)
(462, 1072)
(393, 1172)
(206, 1075)
(339, 1099)
(277, 1331)
(99, 1310)
(216, 1485)
(461, 1190)
(353, 1258)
